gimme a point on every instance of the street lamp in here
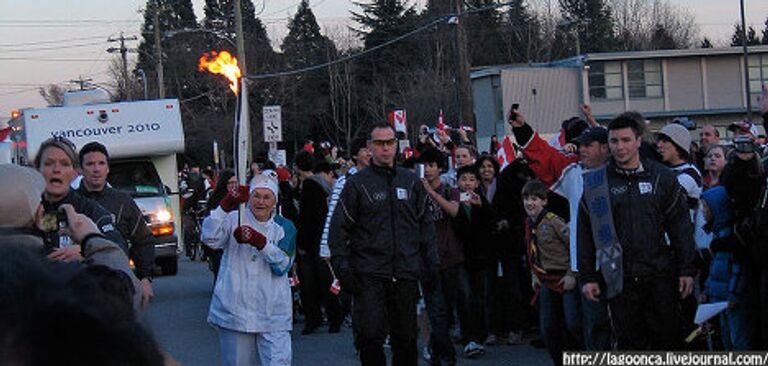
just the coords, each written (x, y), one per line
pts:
(746, 61)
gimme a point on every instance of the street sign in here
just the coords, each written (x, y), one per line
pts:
(273, 124)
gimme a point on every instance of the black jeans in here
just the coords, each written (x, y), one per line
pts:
(471, 304)
(381, 305)
(314, 282)
(505, 306)
(439, 323)
(646, 315)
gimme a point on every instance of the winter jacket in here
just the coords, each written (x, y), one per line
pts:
(474, 227)
(727, 279)
(252, 292)
(646, 204)
(131, 224)
(313, 207)
(382, 225)
(546, 162)
(88, 207)
(548, 257)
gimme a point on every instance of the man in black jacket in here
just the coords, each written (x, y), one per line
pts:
(381, 240)
(647, 206)
(315, 277)
(94, 160)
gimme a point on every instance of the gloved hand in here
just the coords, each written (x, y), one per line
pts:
(234, 198)
(247, 235)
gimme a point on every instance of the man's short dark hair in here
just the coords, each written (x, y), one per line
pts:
(380, 125)
(304, 161)
(433, 155)
(535, 188)
(468, 169)
(93, 146)
(356, 145)
(470, 148)
(631, 119)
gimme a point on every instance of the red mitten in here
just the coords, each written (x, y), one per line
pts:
(248, 235)
(234, 198)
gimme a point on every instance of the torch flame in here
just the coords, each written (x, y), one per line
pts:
(221, 63)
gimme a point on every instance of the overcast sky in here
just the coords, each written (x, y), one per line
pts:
(53, 41)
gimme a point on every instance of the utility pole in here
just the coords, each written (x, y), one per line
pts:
(464, 89)
(158, 50)
(80, 81)
(746, 61)
(246, 130)
(124, 54)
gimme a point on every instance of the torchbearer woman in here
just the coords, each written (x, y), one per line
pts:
(251, 305)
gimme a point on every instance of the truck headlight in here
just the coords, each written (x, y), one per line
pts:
(163, 216)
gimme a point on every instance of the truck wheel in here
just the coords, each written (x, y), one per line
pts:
(169, 266)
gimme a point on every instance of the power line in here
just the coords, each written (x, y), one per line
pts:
(49, 59)
(24, 44)
(53, 48)
(426, 26)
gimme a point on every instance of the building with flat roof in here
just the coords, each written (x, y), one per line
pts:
(706, 85)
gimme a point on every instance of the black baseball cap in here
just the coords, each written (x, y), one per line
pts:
(591, 134)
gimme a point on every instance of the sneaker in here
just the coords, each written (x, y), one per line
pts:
(515, 338)
(492, 340)
(473, 350)
(426, 354)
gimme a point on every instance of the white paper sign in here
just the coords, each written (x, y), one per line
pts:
(273, 123)
(278, 157)
(706, 311)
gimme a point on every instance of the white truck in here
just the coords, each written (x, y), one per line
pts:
(142, 137)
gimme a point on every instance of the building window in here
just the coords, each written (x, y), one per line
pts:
(644, 78)
(758, 72)
(605, 81)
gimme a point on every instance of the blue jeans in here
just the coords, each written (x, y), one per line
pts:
(555, 310)
(439, 323)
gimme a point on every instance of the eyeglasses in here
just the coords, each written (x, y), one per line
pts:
(380, 143)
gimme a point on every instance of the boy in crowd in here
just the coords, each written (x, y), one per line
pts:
(549, 260)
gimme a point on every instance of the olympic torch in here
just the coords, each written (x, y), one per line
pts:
(223, 63)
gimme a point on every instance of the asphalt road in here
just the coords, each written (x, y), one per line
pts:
(177, 316)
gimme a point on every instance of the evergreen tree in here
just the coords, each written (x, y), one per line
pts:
(752, 38)
(485, 39)
(593, 22)
(706, 43)
(174, 15)
(307, 108)
(220, 18)
(386, 71)
(522, 31)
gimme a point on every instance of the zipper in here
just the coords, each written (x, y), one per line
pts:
(392, 223)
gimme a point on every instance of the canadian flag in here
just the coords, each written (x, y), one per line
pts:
(440, 123)
(397, 119)
(335, 287)
(293, 281)
(506, 154)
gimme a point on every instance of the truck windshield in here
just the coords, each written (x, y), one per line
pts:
(137, 178)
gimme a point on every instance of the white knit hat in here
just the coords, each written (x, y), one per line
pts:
(678, 134)
(263, 181)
